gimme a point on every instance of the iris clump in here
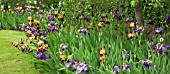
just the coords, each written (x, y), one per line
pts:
(53, 37)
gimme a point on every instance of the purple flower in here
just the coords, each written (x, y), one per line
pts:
(154, 67)
(52, 28)
(117, 69)
(42, 56)
(40, 12)
(82, 67)
(67, 64)
(44, 33)
(165, 47)
(32, 29)
(47, 57)
(159, 30)
(129, 20)
(126, 66)
(150, 44)
(139, 31)
(64, 46)
(123, 5)
(147, 63)
(50, 17)
(39, 55)
(116, 10)
(83, 31)
(167, 19)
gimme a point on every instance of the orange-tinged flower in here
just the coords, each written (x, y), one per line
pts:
(60, 16)
(56, 12)
(62, 58)
(15, 44)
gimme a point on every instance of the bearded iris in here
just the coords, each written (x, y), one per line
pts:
(159, 30)
(117, 69)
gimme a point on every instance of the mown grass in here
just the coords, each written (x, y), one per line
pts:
(12, 60)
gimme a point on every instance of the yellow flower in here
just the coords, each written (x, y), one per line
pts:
(12, 12)
(9, 10)
(134, 35)
(130, 35)
(132, 25)
(17, 4)
(32, 38)
(40, 43)
(15, 44)
(56, 12)
(103, 58)
(62, 57)
(29, 32)
(100, 24)
(9, 7)
(29, 18)
(102, 51)
(60, 16)
(80, 11)
(25, 46)
(70, 57)
(45, 46)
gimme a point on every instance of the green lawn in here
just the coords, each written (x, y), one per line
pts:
(12, 60)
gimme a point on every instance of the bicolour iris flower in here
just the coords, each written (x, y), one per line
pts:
(83, 31)
(147, 63)
(126, 66)
(159, 30)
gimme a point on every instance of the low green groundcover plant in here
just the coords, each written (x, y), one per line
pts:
(75, 39)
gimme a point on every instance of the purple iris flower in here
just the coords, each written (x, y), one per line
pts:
(165, 47)
(50, 17)
(52, 28)
(123, 5)
(44, 33)
(83, 31)
(40, 12)
(39, 55)
(77, 17)
(167, 19)
(146, 63)
(126, 66)
(82, 67)
(30, 9)
(32, 29)
(68, 64)
(129, 20)
(154, 67)
(47, 57)
(117, 16)
(159, 30)
(150, 44)
(139, 31)
(117, 69)
(116, 10)
(64, 47)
